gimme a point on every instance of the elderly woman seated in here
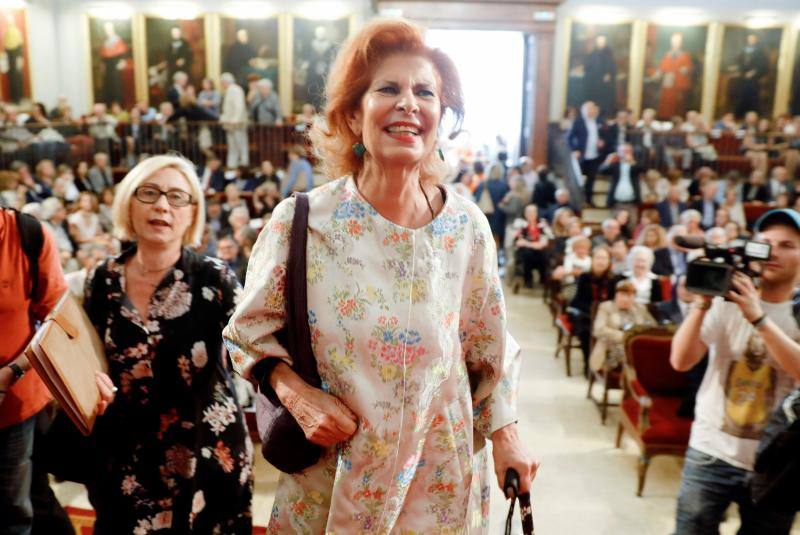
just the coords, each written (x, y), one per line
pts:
(640, 274)
(578, 261)
(530, 245)
(612, 320)
(654, 237)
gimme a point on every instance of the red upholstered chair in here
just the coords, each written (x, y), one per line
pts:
(753, 211)
(653, 392)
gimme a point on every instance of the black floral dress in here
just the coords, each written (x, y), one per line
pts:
(174, 455)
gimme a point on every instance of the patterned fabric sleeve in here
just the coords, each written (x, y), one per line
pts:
(492, 366)
(250, 333)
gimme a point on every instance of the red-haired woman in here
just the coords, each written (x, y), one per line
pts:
(406, 312)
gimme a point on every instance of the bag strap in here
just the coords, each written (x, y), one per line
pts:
(296, 292)
(31, 240)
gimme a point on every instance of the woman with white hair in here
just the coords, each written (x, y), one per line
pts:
(173, 452)
(691, 219)
(640, 274)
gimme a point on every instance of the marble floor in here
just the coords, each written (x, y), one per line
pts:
(585, 485)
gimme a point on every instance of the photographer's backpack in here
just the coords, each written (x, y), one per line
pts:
(31, 239)
(774, 481)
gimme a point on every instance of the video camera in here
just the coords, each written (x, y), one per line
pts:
(712, 274)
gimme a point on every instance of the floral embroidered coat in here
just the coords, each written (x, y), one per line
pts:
(408, 328)
(173, 452)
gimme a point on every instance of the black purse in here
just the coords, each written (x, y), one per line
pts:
(283, 442)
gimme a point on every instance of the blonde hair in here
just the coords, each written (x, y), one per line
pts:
(121, 209)
(659, 230)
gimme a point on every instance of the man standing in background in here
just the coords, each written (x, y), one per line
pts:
(234, 122)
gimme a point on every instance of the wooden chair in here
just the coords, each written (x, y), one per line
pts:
(567, 339)
(610, 378)
(652, 393)
(752, 211)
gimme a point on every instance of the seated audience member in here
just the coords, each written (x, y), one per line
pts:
(84, 224)
(699, 148)
(690, 219)
(619, 256)
(530, 244)
(701, 176)
(734, 206)
(265, 198)
(102, 128)
(228, 251)
(12, 195)
(780, 182)
(782, 201)
(611, 233)
(560, 226)
(265, 174)
(45, 173)
(623, 217)
(648, 216)
(722, 217)
(189, 109)
(216, 217)
(54, 215)
(34, 191)
(300, 175)
(233, 198)
(625, 175)
(239, 217)
(86, 258)
(104, 205)
(756, 146)
(670, 209)
(613, 318)
(653, 187)
(246, 237)
(654, 237)
(592, 288)
(65, 187)
(562, 201)
(575, 230)
(544, 191)
(733, 231)
(640, 274)
(617, 132)
(82, 181)
(727, 123)
(212, 175)
(755, 190)
(706, 205)
(578, 261)
(716, 236)
(100, 175)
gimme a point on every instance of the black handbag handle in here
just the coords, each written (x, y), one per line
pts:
(511, 490)
(296, 291)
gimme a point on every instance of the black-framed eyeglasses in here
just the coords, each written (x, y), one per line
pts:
(176, 198)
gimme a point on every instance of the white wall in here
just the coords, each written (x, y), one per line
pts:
(726, 11)
(59, 42)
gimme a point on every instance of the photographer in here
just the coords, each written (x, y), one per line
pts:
(754, 361)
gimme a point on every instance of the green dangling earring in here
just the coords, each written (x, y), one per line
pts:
(359, 149)
(441, 154)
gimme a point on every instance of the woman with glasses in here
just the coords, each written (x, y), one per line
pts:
(173, 452)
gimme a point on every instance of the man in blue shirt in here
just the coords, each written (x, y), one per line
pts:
(301, 177)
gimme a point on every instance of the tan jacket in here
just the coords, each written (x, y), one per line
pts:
(607, 329)
(234, 109)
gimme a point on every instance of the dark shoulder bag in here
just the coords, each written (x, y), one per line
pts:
(283, 442)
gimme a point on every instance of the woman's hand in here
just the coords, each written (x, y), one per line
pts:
(107, 391)
(324, 419)
(508, 452)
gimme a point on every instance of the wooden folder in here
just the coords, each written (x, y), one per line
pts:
(66, 352)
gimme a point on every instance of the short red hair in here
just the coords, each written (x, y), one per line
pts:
(350, 77)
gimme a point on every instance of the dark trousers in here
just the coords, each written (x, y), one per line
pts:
(708, 486)
(16, 469)
(589, 169)
(527, 260)
(49, 518)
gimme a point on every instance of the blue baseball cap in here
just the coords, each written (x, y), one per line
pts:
(781, 216)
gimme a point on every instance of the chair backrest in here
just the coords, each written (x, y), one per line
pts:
(647, 352)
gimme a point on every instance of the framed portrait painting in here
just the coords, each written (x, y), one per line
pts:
(599, 65)
(314, 47)
(111, 46)
(794, 92)
(172, 46)
(249, 49)
(15, 73)
(748, 70)
(674, 62)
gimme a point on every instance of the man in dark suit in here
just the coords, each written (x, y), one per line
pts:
(212, 176)
(624, 173)
(562, 201)
(706, 205)
(585, 139)
(179, 81)
(756, 189)
(618, 132)
(669, 210)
